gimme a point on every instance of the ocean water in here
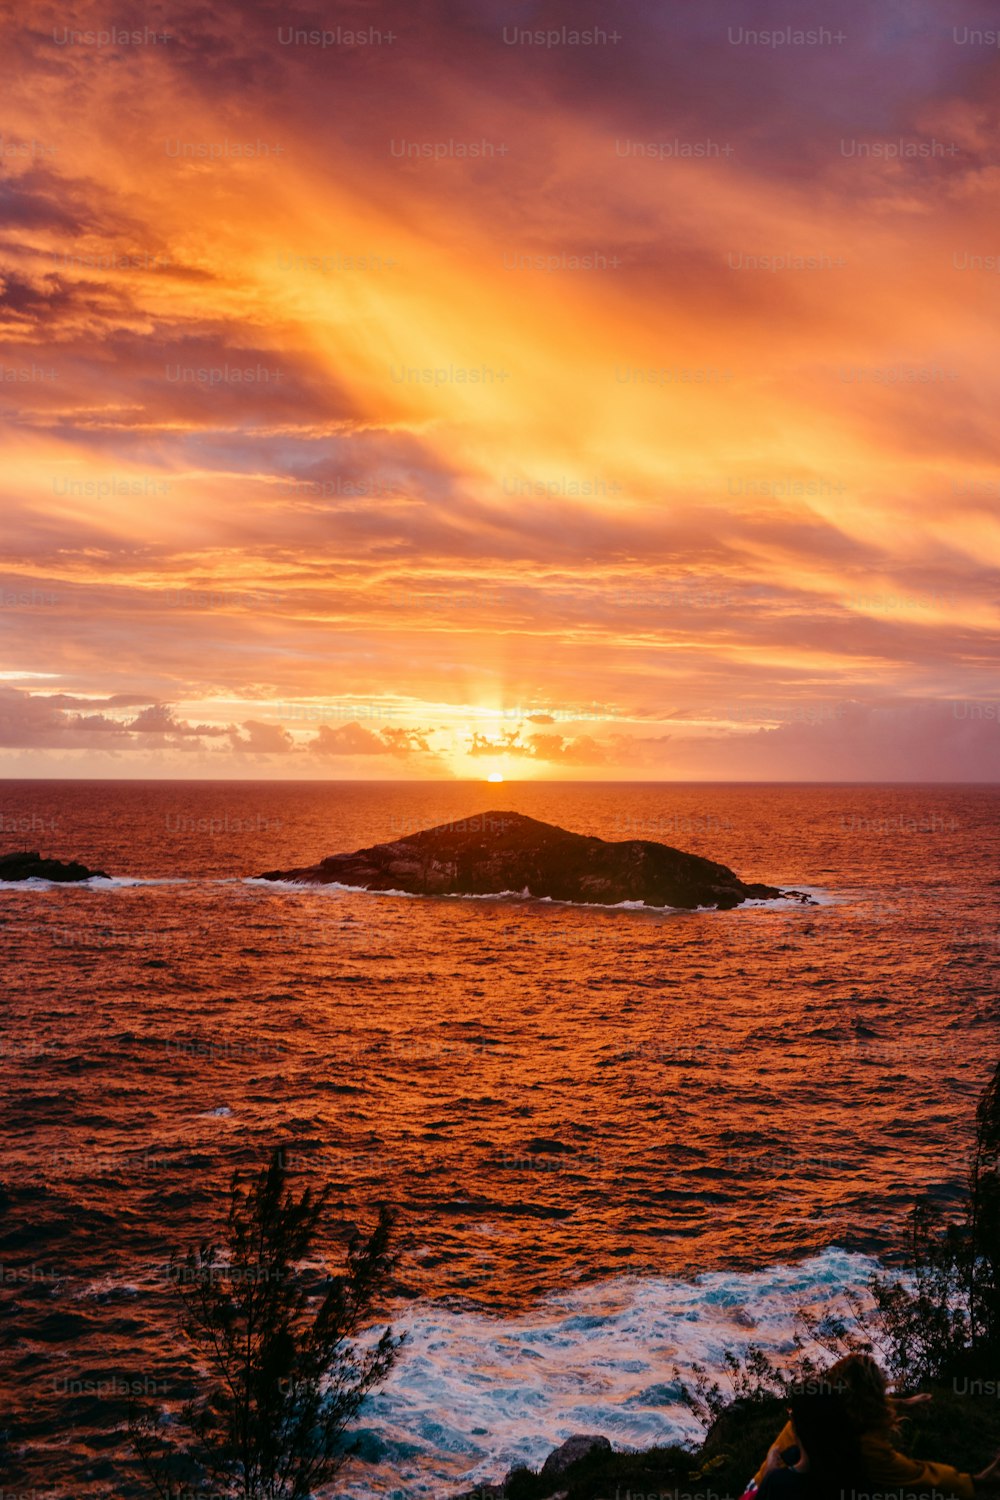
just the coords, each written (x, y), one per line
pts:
(618, 1140)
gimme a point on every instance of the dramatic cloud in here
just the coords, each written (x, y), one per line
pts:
(354, 739)
(375, 401)
(262, 739)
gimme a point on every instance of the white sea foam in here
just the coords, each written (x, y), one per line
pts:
(788, 903)
(472, 1394)
(33, 884)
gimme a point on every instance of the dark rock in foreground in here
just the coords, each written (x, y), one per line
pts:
(585, 1468)
(501, 853)
(26, 865)
(575, 1448)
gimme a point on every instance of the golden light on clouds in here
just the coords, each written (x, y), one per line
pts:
(439, 407)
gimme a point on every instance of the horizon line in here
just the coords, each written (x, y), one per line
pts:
(471, 781)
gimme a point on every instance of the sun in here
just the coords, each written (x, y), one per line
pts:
(494, 776)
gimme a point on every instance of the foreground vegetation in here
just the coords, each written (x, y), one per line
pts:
(276, 1358)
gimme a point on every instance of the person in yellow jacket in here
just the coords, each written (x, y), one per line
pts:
(862, 1387)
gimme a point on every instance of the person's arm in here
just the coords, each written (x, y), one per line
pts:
(989, 1478)
(786, 1439)
(896, 1471)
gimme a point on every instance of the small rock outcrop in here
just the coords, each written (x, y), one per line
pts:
(29, 865)
(576, 1448)
(580, 1445)
(505, 853)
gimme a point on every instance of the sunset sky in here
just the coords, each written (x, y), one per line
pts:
(442, 400)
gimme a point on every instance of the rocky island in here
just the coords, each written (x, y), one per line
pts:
(29, 865)
(505, 853)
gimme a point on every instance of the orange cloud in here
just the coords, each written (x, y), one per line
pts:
(522, 378)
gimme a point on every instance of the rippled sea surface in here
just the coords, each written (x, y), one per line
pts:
(617, 1140)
